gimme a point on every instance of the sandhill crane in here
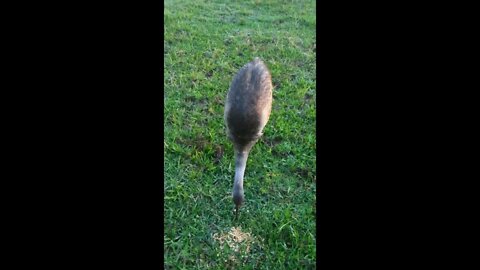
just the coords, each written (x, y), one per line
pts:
(247, 110)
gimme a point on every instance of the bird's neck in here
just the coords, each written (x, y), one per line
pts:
(240, 165)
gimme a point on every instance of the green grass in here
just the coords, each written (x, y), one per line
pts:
(206, 43)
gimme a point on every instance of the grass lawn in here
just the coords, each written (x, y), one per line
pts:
(206, 43)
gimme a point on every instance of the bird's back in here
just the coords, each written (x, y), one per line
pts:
(249, 102)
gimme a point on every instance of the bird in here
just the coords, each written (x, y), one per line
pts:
(247, 110)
